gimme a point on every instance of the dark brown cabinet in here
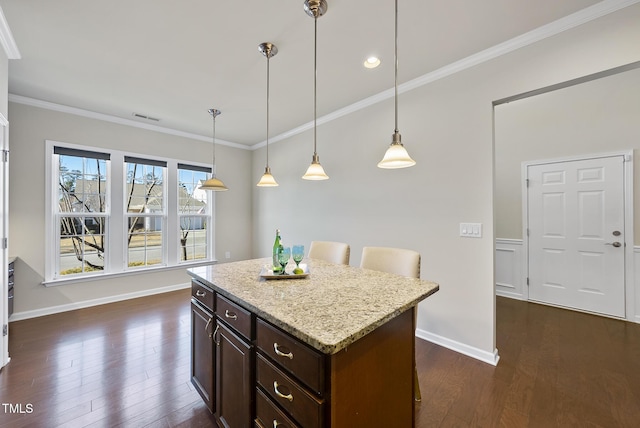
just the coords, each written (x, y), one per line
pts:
(234, 379)
(234, 364)
(203, 348)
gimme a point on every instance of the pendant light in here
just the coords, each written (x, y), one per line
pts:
(315, 9)
(213, 183)
(396, 155)
(268, 50)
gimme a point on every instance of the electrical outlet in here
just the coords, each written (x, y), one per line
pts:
(471, 230)
(227, 255)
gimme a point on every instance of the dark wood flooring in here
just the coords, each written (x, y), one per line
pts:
(127, 364)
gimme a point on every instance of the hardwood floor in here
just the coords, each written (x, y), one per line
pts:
(127, 364)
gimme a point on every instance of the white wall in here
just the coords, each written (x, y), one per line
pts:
(447, 128)
(30, 127)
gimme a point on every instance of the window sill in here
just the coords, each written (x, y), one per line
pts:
(141, 271)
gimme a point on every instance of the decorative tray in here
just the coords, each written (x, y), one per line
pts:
(267, 273)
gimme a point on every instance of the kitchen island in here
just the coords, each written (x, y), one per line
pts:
(334, 349)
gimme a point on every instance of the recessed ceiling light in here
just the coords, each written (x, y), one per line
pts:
(372, 62)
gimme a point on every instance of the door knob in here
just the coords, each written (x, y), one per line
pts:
(615, 244)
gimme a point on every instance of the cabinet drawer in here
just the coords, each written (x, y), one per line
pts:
(300, 360)
(269, 415)
(234, 315)
(303, 407)
(202, 294)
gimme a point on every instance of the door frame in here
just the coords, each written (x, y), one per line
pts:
(4, 234)
(629, 268)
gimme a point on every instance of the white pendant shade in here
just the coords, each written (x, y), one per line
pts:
(267, 179)
(214, 184)
(396, 156)
(315, 171)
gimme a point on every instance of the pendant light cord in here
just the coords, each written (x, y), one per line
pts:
(213, 114)
(214, 145)
(315, 79)
(396, 67)
(268, 56)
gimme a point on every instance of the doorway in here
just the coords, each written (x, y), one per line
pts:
(571, 121)
(574, 221)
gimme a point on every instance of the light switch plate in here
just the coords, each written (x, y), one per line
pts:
(471, 230)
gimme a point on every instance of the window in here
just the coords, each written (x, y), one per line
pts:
(193, 212)
(81, 213)
(144, 211)
(114, 212)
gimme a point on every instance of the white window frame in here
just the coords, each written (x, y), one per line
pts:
(208, 215)
(116, 247)
(162, 215)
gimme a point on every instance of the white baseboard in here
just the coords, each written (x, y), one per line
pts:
(487, 357)
(516, 296)
(17, 316)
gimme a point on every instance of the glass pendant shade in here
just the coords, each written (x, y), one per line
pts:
(396, 155)
(214, 183)
(267, 179)
(315, 170)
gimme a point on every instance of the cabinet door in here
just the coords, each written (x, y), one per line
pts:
(203, 354)
(234, 380)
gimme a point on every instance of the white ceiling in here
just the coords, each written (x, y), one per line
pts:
(173, 60)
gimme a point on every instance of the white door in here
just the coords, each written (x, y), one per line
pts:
(576, 234)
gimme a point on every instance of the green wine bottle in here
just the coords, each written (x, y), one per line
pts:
(276, 248)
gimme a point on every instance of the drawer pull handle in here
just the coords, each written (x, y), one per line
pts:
(213, 336)
(276, 424)
(280, 394)
(206, 327)
(231, 315)
(200, 293)
(289, 354)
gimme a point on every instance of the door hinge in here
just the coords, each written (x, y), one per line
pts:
(527, 280)
(527, 231)
(527, 182)
(5, 156)
(5, 330)
(5, 243)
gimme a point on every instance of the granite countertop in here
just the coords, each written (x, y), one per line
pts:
(329, 310)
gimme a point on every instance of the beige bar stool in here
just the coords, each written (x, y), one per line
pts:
(333, 252)
(400, 262)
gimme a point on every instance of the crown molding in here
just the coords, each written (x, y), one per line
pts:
(6, 39)
(583, 16)
(120, 121)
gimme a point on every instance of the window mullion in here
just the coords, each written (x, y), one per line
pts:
(171, 210)
(116, 243)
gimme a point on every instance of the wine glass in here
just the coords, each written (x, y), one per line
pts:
(298, 254)
(283, 258)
